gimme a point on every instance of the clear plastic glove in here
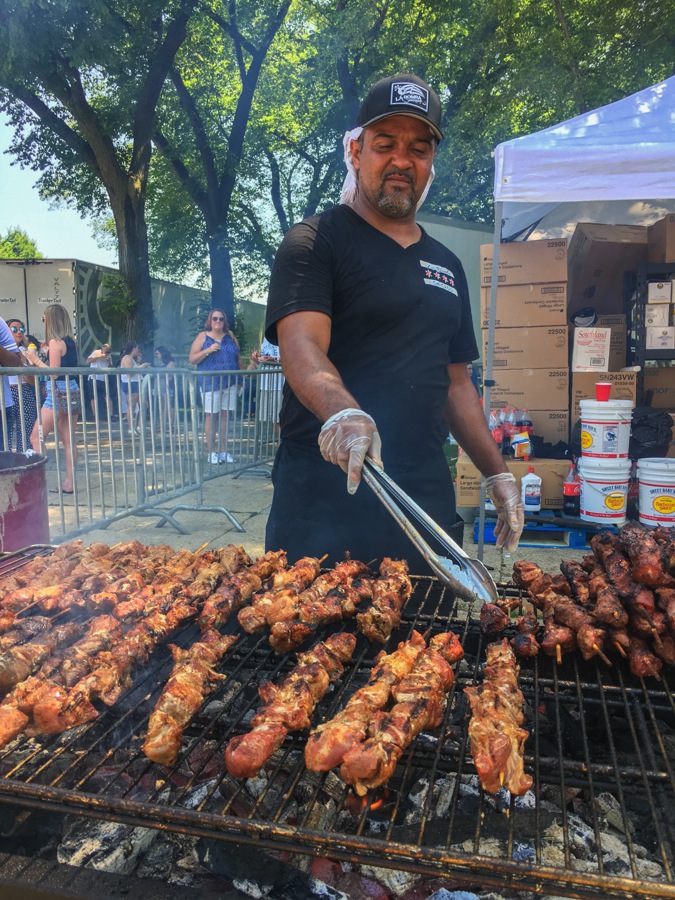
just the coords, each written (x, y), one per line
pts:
(509, 505)
(346, 439)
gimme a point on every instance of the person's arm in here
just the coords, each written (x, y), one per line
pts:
(304, 338)
(95, 354)
(197, 354)
(348, 434)
(9, 357)
(56, 350)
(465, 419)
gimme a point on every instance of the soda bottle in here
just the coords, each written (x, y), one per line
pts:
(571, 492)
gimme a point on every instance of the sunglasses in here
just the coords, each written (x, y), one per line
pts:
(18, 328)
(217, 318)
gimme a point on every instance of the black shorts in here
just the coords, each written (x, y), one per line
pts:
(312, 514)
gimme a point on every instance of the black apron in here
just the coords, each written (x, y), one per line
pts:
(330, 521)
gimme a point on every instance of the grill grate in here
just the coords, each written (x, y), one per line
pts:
(593, 731)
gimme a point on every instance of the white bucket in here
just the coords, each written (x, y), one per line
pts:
(604, 490)
(656, 478)
(605, 428)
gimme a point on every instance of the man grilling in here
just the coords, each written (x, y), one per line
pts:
(373, 321)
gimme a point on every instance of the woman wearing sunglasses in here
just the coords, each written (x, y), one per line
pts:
(25, 384)
(216, 350)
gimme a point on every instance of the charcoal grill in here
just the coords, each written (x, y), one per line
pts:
(593, 730)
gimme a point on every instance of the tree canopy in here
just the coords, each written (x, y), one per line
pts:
(15, 244)
(245, 103)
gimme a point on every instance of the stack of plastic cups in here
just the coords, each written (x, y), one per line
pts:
(604, 467)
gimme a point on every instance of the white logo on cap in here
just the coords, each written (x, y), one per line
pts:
(407, 93)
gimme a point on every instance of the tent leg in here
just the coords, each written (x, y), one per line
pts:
(487, 373)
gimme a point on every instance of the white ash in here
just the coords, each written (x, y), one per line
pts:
(395, 880)
(199, 794)
(527, 801)
(104, 846)
(321, 889)
(610, 812)
(257, 785)
(488, 847)
(444, 894)
(252, 888)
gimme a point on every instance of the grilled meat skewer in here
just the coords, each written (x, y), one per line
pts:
(390, 592)
(288, 706)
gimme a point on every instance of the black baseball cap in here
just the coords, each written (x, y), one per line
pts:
(402, 95)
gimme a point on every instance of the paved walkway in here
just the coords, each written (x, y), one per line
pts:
(248, 497)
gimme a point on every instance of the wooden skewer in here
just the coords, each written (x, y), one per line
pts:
(621, 650)
(602, 655)
(558, 654)
(199, 549)
(325, 556)
(501, 779)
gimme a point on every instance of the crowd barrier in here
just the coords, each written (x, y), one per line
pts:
(140, 439)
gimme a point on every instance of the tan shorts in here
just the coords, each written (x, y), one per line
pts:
(224, 400)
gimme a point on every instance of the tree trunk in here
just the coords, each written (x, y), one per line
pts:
(222, 286)
(134, 265)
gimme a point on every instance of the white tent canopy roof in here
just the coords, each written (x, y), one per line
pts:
(620, 152)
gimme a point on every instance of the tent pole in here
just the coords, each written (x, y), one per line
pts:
(489, 355)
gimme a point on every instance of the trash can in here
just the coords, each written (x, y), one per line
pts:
(24, 513)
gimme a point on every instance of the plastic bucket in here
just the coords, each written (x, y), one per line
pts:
(604, 490)
(24, 513)
(656, 478)
(605, 428)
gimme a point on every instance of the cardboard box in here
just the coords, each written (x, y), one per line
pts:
(546, 389)
(624, 387)
(536, 348)
(551, 425)
(598, 256)
(590, 349)
(661, 241)
(657, 314)
(529, 305)
(659, 292)
(526, 262)
(618, 340)
(660, 337)
(658, 385)
(551, 472)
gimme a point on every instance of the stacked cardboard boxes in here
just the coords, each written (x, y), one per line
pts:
(530, 362)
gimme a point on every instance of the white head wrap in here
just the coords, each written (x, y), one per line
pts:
(349, 186)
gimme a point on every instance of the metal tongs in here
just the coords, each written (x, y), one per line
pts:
(468, 578)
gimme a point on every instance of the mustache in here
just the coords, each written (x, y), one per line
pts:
(398, 174)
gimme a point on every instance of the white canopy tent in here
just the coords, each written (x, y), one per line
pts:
(613, 164)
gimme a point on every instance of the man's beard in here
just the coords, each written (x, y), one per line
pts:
(396, 205)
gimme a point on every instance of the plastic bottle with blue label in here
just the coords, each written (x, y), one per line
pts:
(530, 491)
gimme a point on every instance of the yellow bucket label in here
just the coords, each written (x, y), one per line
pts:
(586, 440)
(664, 504)
(615, 501)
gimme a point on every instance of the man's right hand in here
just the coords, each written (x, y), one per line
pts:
(346, 439)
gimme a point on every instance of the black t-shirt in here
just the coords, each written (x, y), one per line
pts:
(399, 316)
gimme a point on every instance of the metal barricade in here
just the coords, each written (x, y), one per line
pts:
(125, 442)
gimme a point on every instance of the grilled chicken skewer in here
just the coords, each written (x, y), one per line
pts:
(237, 589)
(192, 678)
(286, 585)
(497, 739)
(327, 744)
(390, 592)
(420, 701)
(288, 706)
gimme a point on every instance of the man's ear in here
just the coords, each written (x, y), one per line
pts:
(355, 149)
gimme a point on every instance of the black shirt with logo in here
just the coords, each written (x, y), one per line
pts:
(399, 316)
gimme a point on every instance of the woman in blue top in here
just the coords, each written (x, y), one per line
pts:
(62, 351)
(216, 350)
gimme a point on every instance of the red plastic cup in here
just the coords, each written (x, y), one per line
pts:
(602, 390)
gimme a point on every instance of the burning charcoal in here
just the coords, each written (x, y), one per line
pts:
(321, 816)
(446, 795)
(104, 846)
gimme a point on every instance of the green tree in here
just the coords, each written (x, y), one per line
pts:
(80, 81)
(16, 244)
